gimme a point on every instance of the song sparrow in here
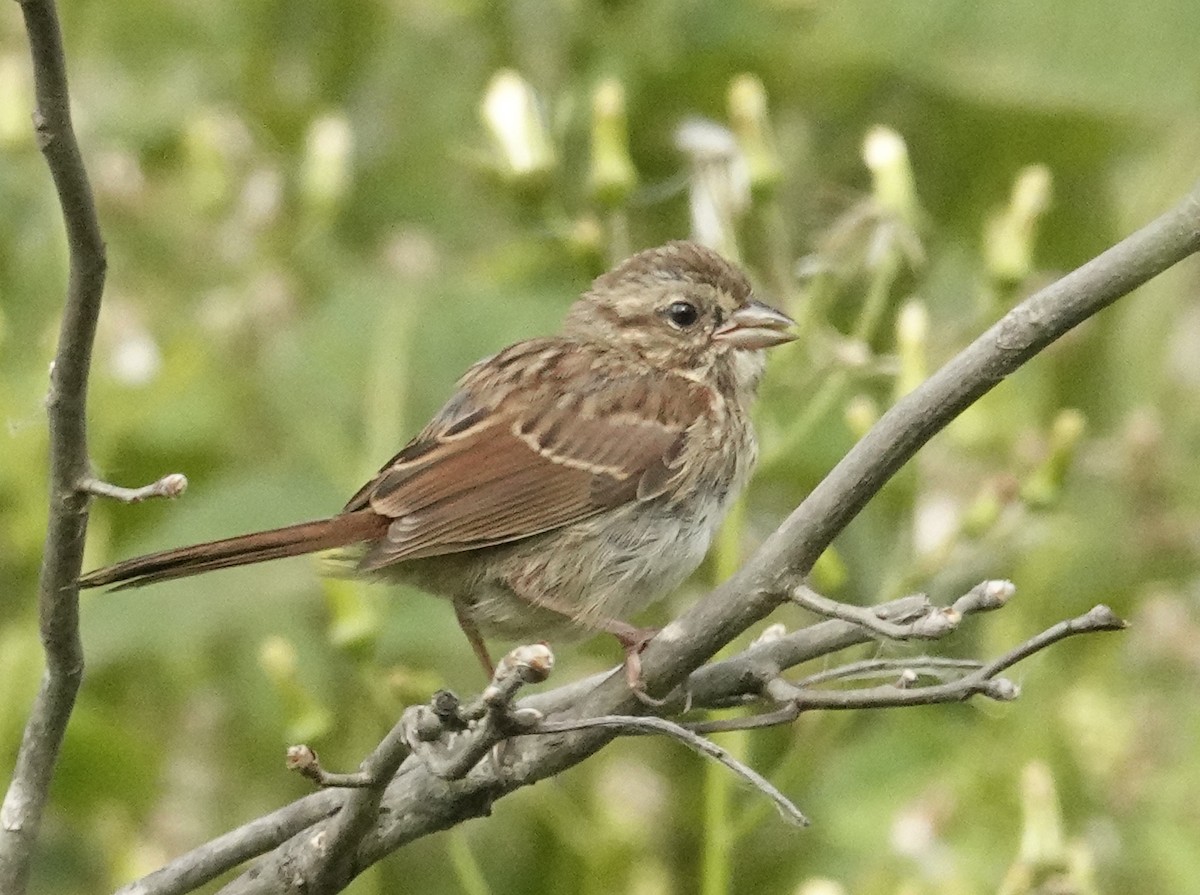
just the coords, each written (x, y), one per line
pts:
(570, 480)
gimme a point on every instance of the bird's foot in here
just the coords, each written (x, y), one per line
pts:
(633, 640)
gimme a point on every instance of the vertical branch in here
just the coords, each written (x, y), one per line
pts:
(58, 595)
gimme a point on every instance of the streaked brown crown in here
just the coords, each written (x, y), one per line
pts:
(630, 307)
(677, 262)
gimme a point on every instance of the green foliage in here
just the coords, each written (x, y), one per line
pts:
(311, 232)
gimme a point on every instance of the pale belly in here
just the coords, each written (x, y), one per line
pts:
(573, 580)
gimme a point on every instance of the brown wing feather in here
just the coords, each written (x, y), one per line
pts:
(490, 473)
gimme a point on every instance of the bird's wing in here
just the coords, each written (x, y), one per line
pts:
(507, 459)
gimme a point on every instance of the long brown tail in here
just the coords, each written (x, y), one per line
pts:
(293, 540)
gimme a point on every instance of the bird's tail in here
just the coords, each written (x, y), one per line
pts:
(292, 540)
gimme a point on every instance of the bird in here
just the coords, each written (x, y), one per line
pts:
(570, 480)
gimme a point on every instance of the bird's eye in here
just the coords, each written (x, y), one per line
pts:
(682, 314)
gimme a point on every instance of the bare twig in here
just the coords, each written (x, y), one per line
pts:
(923, 666)
(635, 725)
(58, 595)
(1098, 618)
(170, 486)
(931, 626)
(982, 681)
(465, 734)
(303, 760)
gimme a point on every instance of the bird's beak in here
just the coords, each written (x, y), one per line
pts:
(755, 325)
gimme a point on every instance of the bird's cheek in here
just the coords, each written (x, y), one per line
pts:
(748, 367)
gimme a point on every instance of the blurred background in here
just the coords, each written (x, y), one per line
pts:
(319, 214)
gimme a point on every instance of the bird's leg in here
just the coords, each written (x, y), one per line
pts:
(632, 639)
(476, 640)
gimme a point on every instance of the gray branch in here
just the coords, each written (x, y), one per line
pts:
(445, 781)
(58, 595)
(417, 803)
(327, 864)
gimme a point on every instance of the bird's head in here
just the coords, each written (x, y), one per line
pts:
(681, 307)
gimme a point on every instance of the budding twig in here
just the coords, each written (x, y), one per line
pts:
(936, 623)
(169, 486)
(454, 738)
(983, 680)
(303, 760)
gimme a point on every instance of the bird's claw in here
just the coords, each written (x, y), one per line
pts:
(633, 641)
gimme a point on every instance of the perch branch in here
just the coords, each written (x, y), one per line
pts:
(752, 673)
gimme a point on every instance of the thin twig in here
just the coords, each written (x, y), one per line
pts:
(327, 863)
(982, 681)
(1098, 618)
(637, 725)
(58, 594)
(933, 625)
(303, 760)
(169, 486)
(929, 666)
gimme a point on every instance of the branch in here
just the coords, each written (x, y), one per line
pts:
(414, 804)
(417, 805)
(417, 802)
(58, 595)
